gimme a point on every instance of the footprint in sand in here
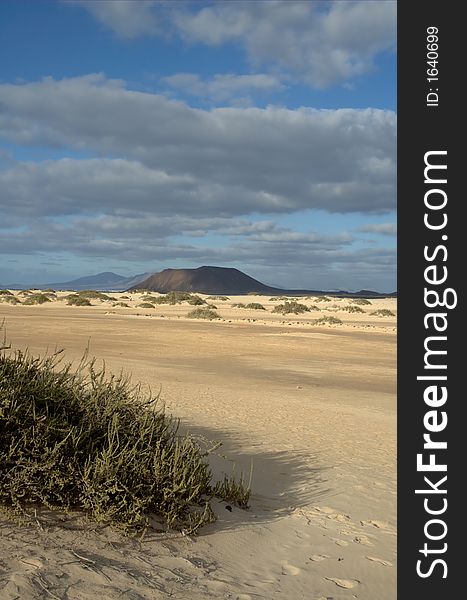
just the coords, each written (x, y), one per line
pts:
(362, 539)
(318, 557)
(347, 584)
(32, 562)
(381, 561)
(340, 542)
(288, 569)
(327, 510)
(339, 517)
(378, 524)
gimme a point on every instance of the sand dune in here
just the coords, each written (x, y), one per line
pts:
(311, 407)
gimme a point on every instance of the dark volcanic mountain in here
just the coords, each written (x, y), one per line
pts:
(222, 280)
(206, 280)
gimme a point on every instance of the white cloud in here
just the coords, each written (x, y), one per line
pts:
(128, 19)
(315, 42)
(162, 172)
(222, 88)
(382, 228)
(228, 160)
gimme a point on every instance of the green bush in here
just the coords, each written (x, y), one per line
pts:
(196, 301)
(36, 299)
(383, 312)
(93, 295)
(290, 307)
(75, 300)
(84, 440)
(361, 301)
(174, 298)
(352, 309)
(255, 306)
(203, 313)
(250, 305)
(10, 299)
(328, 321)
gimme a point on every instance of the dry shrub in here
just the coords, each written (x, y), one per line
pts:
(80, 439)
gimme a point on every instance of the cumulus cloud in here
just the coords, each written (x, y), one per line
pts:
(162, 180)
(160, 151)
(382, 228)
(320, 43)
(128, 19)
(224, 88)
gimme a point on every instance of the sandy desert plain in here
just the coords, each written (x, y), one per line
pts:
(311, 406)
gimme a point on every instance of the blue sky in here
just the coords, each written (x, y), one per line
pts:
(141, 135)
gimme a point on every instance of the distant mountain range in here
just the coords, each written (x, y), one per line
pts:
(206, 280)
(106, 281)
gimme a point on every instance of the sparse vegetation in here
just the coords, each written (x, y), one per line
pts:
(274, 298)
(352, 309)
(223, 298)
(5, 293)
(328, 321)
(255, 306)
(322, 299)
(383, 312)
(85, 440)
(75, 300)
(176, 298)
(124, 297)
(146, 305)
(196, 301)
(121, 304)
(291, 307)
(250, 305)
(238, 492)
(254, 294)
(360, 301)
(36, 299)
(93, 295)
(203, 313)
(10, 299)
